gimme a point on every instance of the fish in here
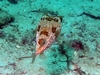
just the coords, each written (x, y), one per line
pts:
(48, 30)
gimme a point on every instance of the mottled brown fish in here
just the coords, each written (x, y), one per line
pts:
(47, 31)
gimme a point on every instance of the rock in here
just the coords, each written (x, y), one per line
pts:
(5, 18)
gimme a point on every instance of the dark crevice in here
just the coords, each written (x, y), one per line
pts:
(13, 1)
(45, 11)
(90, 15)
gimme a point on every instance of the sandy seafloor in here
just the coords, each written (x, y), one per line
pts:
(20, 38)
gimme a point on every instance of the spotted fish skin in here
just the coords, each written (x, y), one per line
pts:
(47, 31)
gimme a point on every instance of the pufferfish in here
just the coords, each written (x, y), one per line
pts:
(47, 31)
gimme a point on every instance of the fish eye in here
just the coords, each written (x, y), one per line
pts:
(42, 18)
(55, 19)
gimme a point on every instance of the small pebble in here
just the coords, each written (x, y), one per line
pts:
(17, 46)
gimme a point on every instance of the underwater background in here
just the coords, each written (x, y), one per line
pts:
(75, 52)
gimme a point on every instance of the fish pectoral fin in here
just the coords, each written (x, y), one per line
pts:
(42, 56)
(33, 57)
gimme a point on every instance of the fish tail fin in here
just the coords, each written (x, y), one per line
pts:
(33, 57)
